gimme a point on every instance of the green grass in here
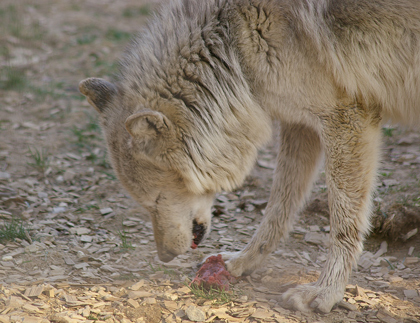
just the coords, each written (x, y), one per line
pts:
(125, 244)
(86, 39)
(12, 230)
(40, 159)
(386, 174)
(131, 12)
(218, 296)
(86, 134)
(13, 78)
(117, 35)
(388, 132)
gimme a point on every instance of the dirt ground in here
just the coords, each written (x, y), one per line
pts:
(88, 252)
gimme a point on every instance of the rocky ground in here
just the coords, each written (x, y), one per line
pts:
(85, 251)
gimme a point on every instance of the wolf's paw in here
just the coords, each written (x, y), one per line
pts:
(309, 297)
(235, 262)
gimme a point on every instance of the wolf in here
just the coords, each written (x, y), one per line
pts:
(198, 90)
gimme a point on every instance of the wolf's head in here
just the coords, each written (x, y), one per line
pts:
(169, 165)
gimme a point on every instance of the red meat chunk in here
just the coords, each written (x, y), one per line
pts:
(213, 274)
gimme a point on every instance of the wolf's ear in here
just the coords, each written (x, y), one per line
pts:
(98, 92)
(147, 124)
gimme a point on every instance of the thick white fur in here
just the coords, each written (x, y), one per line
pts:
(194, 99)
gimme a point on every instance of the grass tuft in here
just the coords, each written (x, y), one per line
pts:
(117, 35)
(388, 132)
(125, 243)
(13, 79)
(12, 230)
(219, 297)
(40, 157)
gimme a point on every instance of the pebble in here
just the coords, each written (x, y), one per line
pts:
(195, 314)
(317, 238)
(106, 211)
(411, 260)
(410, 293)
(410, 251)
(410, 234)
(150, 300)
(348, 306)
(395, 279)
(137, 285)
(133, 294)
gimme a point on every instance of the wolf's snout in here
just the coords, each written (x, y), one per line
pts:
(166, 256)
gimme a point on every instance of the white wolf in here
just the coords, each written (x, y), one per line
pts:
(197, 92)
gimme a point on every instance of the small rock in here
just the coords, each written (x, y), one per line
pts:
(69, 175)
(314, 228)
(410, 293)
(195, 314)
(383, 249)
(133, 294)
(31, 309)
(108, 268)
(34, 291)
(7, 258)
(32, 248)
(133, 303)
(180, 313)
(4, 175)
(410, 250)
(380, 284)
(82, 231)
(261, 314)
(34, 319)
(348, 306)
(85, 238)
(137, 285)
(171, 305)
(170, 296)
(106, 211)
(366, 260)
(385, 318)
(150, 300)
(317, 238)
(410, 234)
(395, 279)
(411, 260)
(59, 209)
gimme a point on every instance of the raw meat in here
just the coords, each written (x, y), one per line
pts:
(213, 274)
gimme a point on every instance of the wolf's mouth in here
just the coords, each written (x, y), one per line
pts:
(198, 233)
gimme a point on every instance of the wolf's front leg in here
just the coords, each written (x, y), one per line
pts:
(297, 162)
(351, 138)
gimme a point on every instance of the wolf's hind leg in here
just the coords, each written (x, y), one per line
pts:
(297, 162)
(351, 138)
